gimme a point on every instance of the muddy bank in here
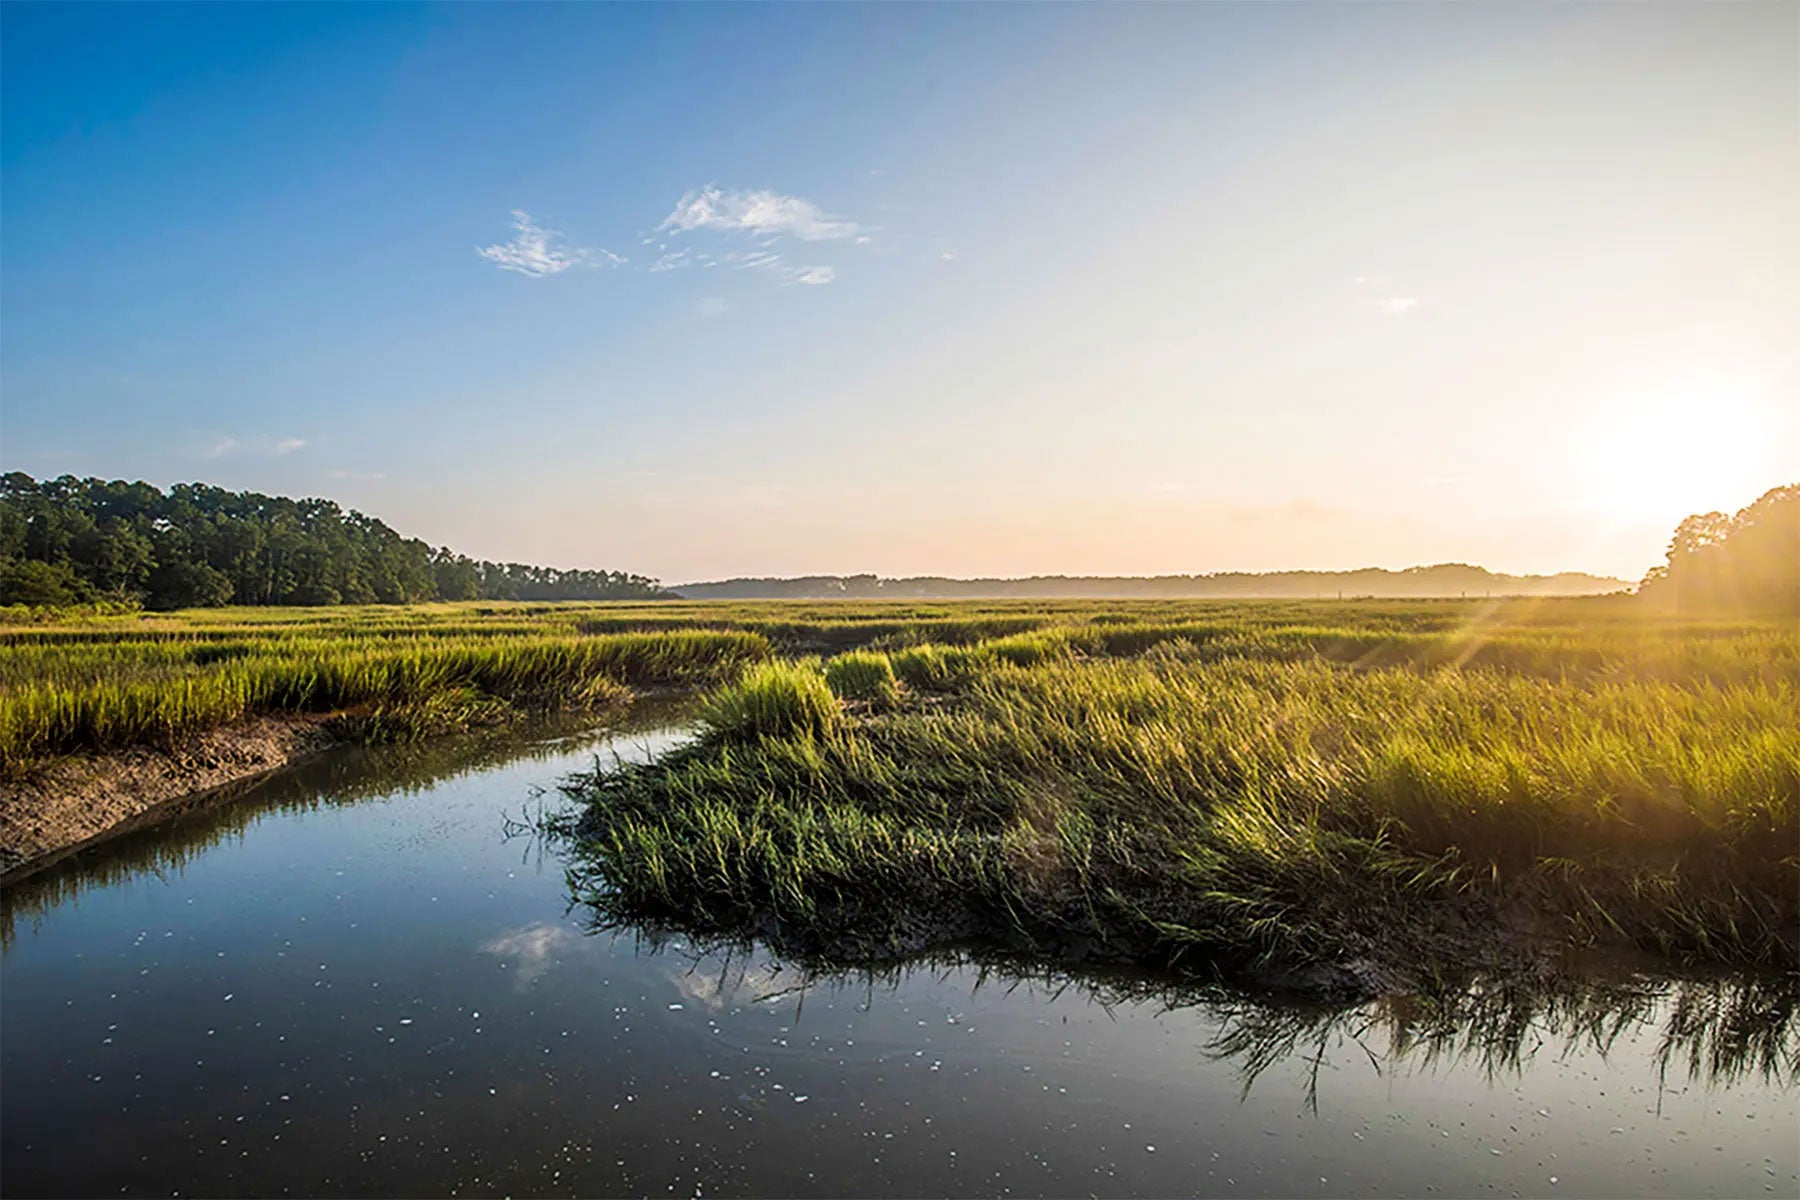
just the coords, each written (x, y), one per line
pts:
(61, 806)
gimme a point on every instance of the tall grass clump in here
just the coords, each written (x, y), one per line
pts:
(773, 700)
(865, 676)
(935, 668)
(1028, 649)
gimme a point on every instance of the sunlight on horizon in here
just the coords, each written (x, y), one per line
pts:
(1688, 446)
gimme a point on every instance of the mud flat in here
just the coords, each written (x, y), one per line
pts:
(71, 802)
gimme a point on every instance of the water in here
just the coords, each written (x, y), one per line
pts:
(352, 981)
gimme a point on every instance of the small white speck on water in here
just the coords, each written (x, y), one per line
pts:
(674, 1008)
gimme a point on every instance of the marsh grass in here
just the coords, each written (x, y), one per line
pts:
(1193, 793)
(773, 700)
(863, 676)
(89, 696)
(1170, 782)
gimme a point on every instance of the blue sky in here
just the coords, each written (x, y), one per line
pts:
(711, 290)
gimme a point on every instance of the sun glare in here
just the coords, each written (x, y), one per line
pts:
(1662, 458)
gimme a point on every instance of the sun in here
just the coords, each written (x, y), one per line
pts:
(1665, 455)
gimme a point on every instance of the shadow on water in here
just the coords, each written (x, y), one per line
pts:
(1720, 1030)
(1716, 1029)
(339, 778)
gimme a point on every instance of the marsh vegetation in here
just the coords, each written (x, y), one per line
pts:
(392, 674)
(1355, 792)
(1346, 797)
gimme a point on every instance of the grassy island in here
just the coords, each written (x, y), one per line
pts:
(1356, 790)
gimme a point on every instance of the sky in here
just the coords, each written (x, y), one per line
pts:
(703, 291)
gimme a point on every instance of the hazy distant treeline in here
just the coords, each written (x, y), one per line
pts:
(1748, 562)
(1445, 579)
(71, 541)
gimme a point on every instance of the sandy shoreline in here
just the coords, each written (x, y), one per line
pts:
(67, 804)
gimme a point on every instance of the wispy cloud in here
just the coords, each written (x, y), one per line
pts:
(714, 306)
(220, 445)
(534, 251)
(1379, 293)
(756, 258)
(756, 222)
(771, 263)
(757, 212)
(340, 473)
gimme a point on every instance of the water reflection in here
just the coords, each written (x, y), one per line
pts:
(1720, 1030)
(354, 982)
(532, 950)
(340, 778)
(1717, 1030)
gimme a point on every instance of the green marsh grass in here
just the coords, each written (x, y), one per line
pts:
(866, 676)
(1165, 781)
(773, 700)
(1169, 791)
(91, 696)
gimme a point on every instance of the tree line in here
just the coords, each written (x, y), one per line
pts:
(1443, 579)
(1747, 562)
(73, 541)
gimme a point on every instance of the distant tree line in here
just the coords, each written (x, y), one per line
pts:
(1444, 579)
(72, 541)
(1743, 563)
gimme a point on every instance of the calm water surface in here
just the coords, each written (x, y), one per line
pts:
(353, 981)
